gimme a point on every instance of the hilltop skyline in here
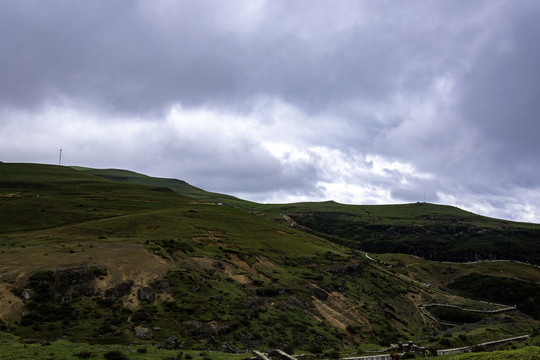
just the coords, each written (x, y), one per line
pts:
(275, 101)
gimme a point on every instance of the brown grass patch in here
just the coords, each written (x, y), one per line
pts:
(214, 236)
(11, 306)
(228, 269)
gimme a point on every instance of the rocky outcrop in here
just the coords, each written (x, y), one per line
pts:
(146, 294)
(74, 276)
(121, 290)
(124, 288)
(143, 333)
(170, 343)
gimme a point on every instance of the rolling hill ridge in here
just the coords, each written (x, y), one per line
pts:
(434, 232)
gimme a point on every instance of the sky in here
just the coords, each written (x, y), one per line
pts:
(360, 102)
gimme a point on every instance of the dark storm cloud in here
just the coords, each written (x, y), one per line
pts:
(109, 53)
(502, 99)
(133, 55)
(367, 101)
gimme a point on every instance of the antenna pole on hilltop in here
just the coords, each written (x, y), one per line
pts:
(60, 158)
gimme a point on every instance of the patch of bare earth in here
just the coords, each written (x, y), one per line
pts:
(341, 312)
(10, 194)
(11, 306)
(230, 270)
(124, 263)
(236, 268)
(214, 236)
(265, 262)
(252, 269)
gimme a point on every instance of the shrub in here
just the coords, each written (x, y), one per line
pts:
(115, 355)
(84, 354)
(177, 357)
(42, 276)
(315, 349)
(99, 271)
(334, 354)
(141, 316)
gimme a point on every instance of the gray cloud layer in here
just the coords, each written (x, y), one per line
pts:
(360, 101)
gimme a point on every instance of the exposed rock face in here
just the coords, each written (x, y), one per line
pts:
(147, 294)
(119, 291)
(26, 294)
(124, 288)
(65, 285)
(111, 294)
(75, 276)
(226, 348)
(87, 291)
(143, 333)
(160, 286)
(171, 343)
(294, 302)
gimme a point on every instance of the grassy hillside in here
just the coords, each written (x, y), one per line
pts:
(101, 261)
(503, 282)
(179, 186)
(435, 232)
(430, 231)
(13, 348)
(42, 196)
(524, 294)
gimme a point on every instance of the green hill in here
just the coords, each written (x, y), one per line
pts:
(93, 259)
(179, 186)
(435, 232)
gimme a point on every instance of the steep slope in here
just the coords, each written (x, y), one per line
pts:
(434, 232)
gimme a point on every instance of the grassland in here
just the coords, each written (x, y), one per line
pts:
(529, 353)
(76, 249)
(435, 232)
(14, 349)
